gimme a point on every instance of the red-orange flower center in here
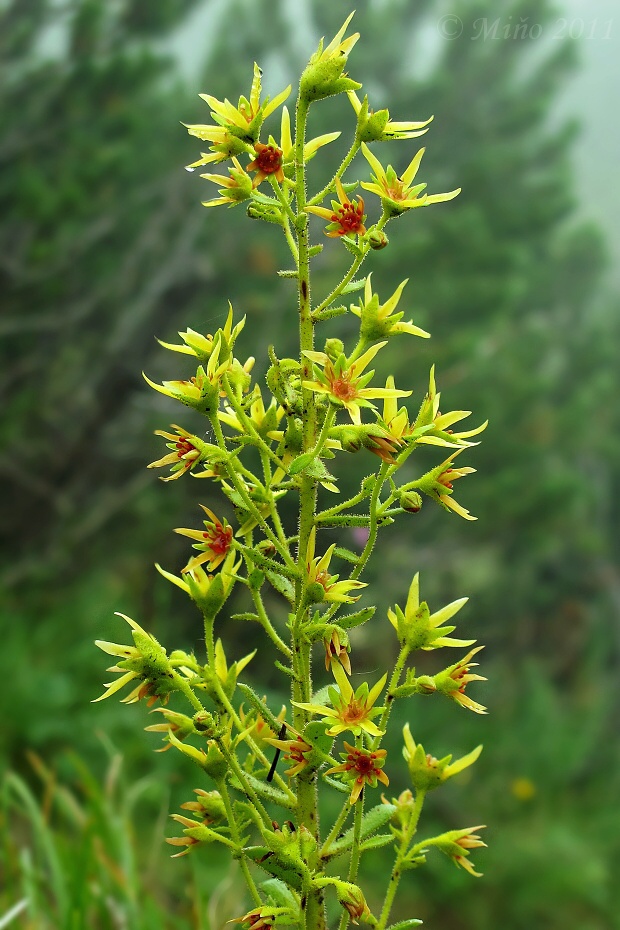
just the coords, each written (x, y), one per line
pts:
(350, 217)
(268, 158)
(323, 578)
(366, 764)
(445, 479)
(396, 192)
(459, 675)
(184, 446)
(342, 388)
(219, 539)
(355, 711)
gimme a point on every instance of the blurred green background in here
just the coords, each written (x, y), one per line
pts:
(103, 244)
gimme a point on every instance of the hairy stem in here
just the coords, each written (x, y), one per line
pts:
(396, 875)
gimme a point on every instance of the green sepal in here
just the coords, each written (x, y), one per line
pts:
(319, 629)
(210, 601)
(413, 860)
(203, 834)
(215, 762)
(372, 821)
(347, 554)
(412, 685)
(325, 78)
(315, 249)
(259, 211)
(356, 619)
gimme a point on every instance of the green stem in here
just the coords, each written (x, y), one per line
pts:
(335, 830)
(247, 789)
(341, 286)
(307, 800)
(356, 853)
(344, 164)
(230, 710)
(345, 505)
(185, 689)
(402, 852)
(372, 535)
(241, 490)
(267, 625)
(249, 425)
(327, 425)
(389, 698)
(234, 832)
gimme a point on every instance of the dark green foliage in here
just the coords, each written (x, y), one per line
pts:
(103, 244)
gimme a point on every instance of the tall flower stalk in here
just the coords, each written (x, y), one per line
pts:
(300, 871)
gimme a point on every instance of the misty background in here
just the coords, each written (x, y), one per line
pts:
(104, 245)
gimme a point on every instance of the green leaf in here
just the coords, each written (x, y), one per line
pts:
(282, 585)
(405, 924)
(259, 705)
(346, 554)
(279, 894)
(265, 790)
(283, 668)
(372, 821)
(338, 785)
(355, 285)
(317, 469)
(329, 313)
(376, 842)
(356, 619)
(267, 860)
(315, 734)
(302, 461)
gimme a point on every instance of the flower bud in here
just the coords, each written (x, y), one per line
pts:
(205, 722)
(214, 762)
(262, 211)
(334, 348)
(209, 805)
(377, 239)
(352, 899)
(411, 501)
(350, 438)
(324, 77)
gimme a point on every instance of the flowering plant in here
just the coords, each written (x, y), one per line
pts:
(322, 407)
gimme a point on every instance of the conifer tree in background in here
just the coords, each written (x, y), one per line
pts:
(101, 245)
